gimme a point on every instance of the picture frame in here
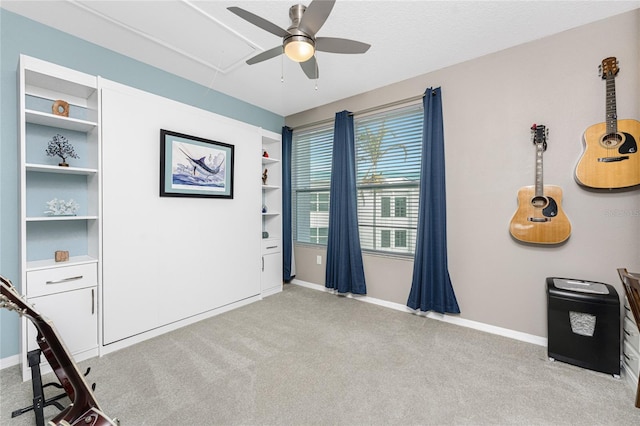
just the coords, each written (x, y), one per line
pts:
(196, 167)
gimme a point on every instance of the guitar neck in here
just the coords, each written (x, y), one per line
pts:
(612, 116)
(539, 182)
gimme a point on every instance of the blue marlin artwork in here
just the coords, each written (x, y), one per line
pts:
(196, 170)
(195, 167)
(199, 164)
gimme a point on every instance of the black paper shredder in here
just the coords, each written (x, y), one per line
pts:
(583, 324)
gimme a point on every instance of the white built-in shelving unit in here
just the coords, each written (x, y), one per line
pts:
(271, 278)
(67, 291)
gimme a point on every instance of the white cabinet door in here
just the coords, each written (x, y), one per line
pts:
(271, 273)
(74, 316)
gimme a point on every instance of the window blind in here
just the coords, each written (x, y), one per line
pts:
(388, 150)
(310, 182)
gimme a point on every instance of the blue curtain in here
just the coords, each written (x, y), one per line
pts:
(431, 288)
(287, 237)
(345, 271)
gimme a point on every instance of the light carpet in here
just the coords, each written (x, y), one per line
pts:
(306, 357)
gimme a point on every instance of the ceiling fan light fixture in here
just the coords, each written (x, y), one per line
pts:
(299, 48)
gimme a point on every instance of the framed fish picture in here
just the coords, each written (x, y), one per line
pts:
(195, 167)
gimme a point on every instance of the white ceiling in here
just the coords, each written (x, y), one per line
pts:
(203, 42)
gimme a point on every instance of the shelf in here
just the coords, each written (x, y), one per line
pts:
(271, 214)
(45, 168)
(59, 218)
(270, 187)
(50, 263)
(59, 121)
(269, 160)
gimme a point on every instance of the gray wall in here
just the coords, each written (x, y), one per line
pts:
(489, 105)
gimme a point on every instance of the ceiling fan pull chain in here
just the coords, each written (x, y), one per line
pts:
(317, 75)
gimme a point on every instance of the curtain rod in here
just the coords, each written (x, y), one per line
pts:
(364, 111)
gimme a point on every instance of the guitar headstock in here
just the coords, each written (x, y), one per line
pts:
(9, 297)
(609, 67)
(539, 134)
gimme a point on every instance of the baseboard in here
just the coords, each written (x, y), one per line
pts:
(513, 334)
(271, 291)
(9, 361)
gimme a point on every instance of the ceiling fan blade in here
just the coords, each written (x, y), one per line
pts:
(258, 21)
(310, 68)
(267, 54)
(340, 45)
(315, 15)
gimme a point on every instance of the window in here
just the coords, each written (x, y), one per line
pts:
(388, 148)
(400, 238)
(310, 181)
(385, 238)
(319, 235)
(385, 207)
(400, 205)
(320, 202)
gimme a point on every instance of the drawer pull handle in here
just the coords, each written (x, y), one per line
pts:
(272, 247)
(64, 280)
(93, 302)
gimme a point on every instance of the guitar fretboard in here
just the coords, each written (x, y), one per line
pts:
(612, 116)
(539, 182)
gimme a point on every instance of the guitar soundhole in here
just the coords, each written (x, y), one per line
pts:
(539, 202)
(611, 140)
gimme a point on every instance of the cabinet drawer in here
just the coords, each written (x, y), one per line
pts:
(631, 360)
(271, 246)
(56, 280)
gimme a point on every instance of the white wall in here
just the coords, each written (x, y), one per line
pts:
(489, 105)
(166, 259)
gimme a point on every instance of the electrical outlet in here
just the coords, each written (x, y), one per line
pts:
(319, 260)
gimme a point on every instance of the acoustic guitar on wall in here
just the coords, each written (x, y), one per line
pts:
(540, 218)
(610, 158)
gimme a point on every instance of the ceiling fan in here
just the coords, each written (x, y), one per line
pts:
(299, 41)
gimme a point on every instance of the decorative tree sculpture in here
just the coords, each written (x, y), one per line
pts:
(60, 146)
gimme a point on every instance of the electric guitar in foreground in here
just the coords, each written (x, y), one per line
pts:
(610, 159)
(84, 409)
(540, 218)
